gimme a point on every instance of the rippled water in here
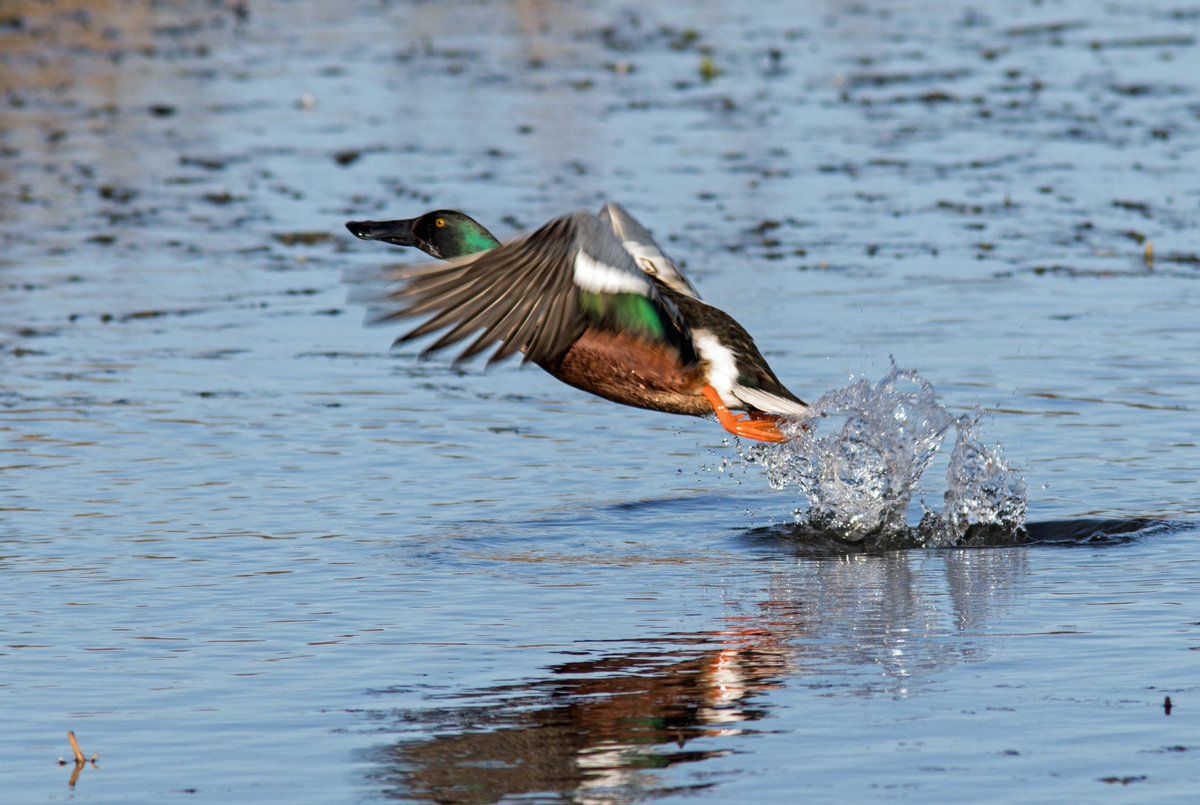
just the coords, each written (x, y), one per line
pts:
(250, 555)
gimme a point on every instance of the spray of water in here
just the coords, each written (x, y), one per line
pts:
(860, 477)
(985, 501)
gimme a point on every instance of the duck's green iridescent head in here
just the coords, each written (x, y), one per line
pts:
(444, 234)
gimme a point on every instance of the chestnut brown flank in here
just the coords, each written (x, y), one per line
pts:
(630, 371)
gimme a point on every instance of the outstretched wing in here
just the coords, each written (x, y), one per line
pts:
(641, 245)
(536, 295)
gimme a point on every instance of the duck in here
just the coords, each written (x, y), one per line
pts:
(592, 300)
(459, 235)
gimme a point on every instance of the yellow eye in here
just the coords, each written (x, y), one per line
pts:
(439, 223)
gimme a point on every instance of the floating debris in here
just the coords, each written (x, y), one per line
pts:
(80, 759)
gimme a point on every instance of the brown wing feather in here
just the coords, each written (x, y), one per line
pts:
(520, 295)
(523, 296)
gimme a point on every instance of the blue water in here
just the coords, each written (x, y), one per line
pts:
(250, 555)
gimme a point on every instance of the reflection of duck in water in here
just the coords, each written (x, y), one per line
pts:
(595, 730)
(593, 301)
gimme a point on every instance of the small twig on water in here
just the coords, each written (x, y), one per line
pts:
(79, 758)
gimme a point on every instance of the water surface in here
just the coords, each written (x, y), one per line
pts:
(250, 555)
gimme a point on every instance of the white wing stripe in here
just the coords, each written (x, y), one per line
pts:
(593, 275)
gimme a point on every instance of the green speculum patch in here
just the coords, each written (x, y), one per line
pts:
(625, 311)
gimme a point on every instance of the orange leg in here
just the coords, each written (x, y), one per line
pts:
(757, 426)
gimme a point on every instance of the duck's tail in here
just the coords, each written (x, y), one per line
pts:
(770, 403)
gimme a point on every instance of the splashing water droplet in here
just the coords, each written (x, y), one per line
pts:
(860, 479)
(985, 500)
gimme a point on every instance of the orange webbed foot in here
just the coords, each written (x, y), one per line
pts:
(757, 426)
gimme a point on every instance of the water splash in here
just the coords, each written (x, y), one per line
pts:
(859, 479)
(985, 501)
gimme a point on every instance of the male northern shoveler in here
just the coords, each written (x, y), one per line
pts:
(593, 301)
